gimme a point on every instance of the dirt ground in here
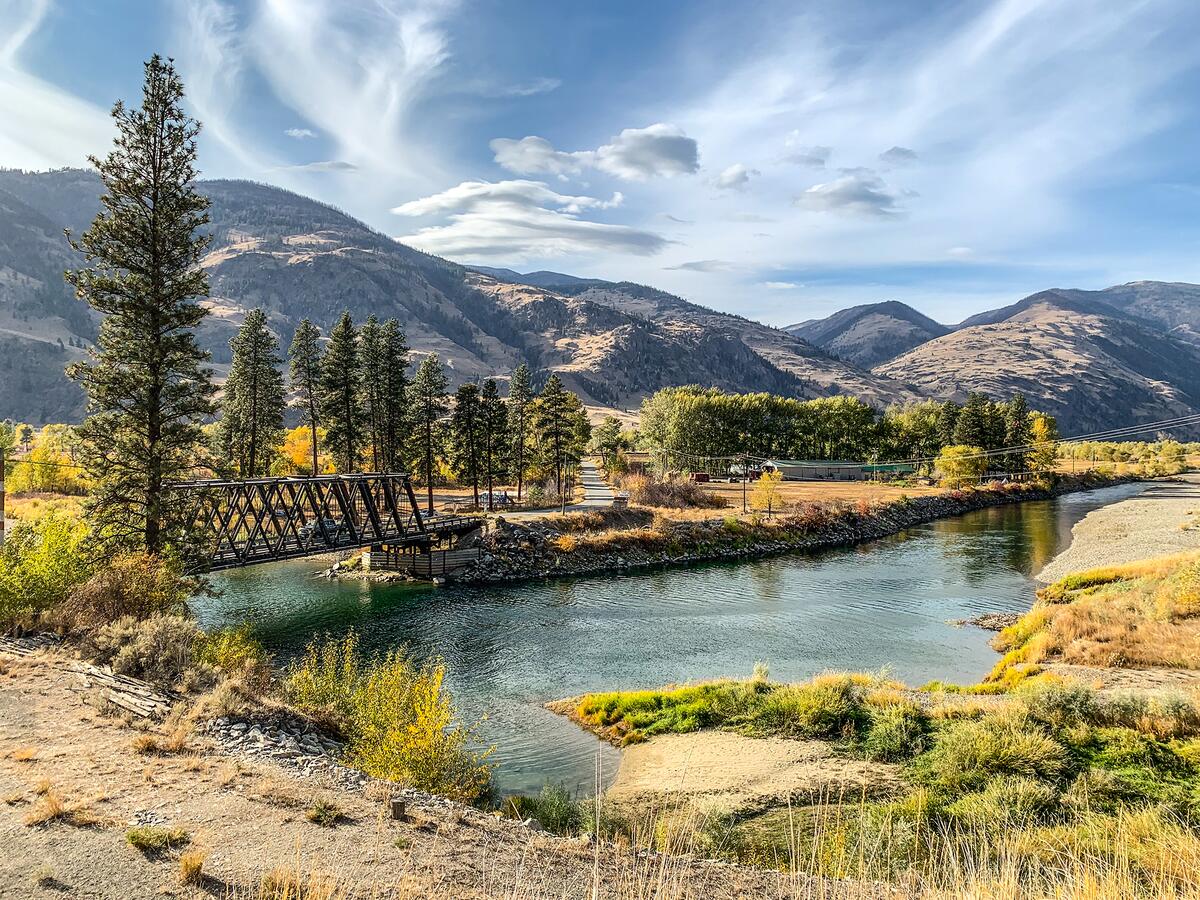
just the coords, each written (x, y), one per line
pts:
(249, 816)
(734, 773)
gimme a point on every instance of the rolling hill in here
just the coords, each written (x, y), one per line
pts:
(870, 334)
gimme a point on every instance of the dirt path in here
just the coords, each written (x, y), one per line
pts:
(1162, 520)
(250, 818)
(743, 774)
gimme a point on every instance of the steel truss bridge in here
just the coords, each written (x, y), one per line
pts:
(260, 520)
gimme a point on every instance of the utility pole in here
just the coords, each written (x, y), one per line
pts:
(745, 480)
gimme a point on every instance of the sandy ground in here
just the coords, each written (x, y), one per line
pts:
(250, 818)
(734, 773)
(1154, 680)
(1162, 520)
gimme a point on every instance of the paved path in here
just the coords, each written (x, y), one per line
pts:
(596, 495)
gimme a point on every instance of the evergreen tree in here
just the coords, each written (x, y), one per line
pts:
(494, 429)
(393, 397)
(305, 355)
(971, 429)
(560, 424)
(341, 400)
(947, 422)
(251, 425)
(466, 441)
(520, 397)
(146, 385)
(371, 346)
(427, 405)
(1017, 432)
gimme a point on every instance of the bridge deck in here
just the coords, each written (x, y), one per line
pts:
(252, 521)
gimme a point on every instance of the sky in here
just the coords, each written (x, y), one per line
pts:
(775, 160)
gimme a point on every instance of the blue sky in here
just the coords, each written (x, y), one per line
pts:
(778, 160)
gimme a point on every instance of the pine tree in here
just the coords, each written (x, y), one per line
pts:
(947, 421)
(251, 424)
(971, 429)
(494, 429)
(427, 405)
(371, 348)
(466, 441)
(394, 397)
(341, 401)
(560, 424)
(305, 355)
(520, 397)
(147, 388)
(1017, 432)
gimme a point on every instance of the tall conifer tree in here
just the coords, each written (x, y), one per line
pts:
(146, 384)
(560, 424)
(466, 441)
(427, 405)
(374, 361)
(493, 416)
(305, 356)
(341, 396)
(520, 396)
(251, 424)
(394, 397)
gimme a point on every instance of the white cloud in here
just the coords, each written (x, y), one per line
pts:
(858, 191)
(702, 265)
(300, 134)
(960, 252)
(814, 156)
(735, 177)
(325, 165)
(781, 285)
(520, 219)
(528, 88)
(636, 154)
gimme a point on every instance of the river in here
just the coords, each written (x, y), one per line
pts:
(508, 649)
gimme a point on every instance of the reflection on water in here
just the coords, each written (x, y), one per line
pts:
(508, 649)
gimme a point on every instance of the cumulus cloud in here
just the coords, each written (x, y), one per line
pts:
(519, 219)
(735, 177)
(535, 155)
(781, 285)
(814, 156)
(855, 191)
(636, 154)
(898, 156)
(300, 134)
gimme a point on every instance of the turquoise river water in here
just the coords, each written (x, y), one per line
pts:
(509, 649)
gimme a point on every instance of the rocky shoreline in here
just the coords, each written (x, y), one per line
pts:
(519, 552)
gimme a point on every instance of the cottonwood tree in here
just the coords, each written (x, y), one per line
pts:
(251, 424)
(427, 406)
(520, 398)
(146, 384)
(341, 401)
(305, 356)
(466, 441)
(560, 424)
(1043, 432)
(493, 415)
(607, 439)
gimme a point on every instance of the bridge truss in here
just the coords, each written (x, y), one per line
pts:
(258, 520)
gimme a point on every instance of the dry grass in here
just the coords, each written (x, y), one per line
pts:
(797, 492)
(1138, 615)
(191, 866)
(23, 754)
(176, 741)
(51, 809)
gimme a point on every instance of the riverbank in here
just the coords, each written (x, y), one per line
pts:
(516, 552)
(1162, 520)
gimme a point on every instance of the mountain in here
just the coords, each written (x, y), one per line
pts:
(870, 334)
(1091, 364)
(1175, 306)
(295, 257)
(541, 278)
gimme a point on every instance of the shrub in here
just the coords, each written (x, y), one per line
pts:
(40, 563)
(897, 731)
(152, 840)
(966, 755)
(132, 585)
(398, 720)
(829, 706)
(673, 494)
(1006, 800)
(554, 809)
(324, 813)
(191, 866)
(1059, 704)
(160, 649)
(236, 651)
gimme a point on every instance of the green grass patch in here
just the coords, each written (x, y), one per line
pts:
(151, 840)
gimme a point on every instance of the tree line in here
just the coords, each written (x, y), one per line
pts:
(701, 422)
(152, 399)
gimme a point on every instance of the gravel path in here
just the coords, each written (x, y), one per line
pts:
(1162, 520)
